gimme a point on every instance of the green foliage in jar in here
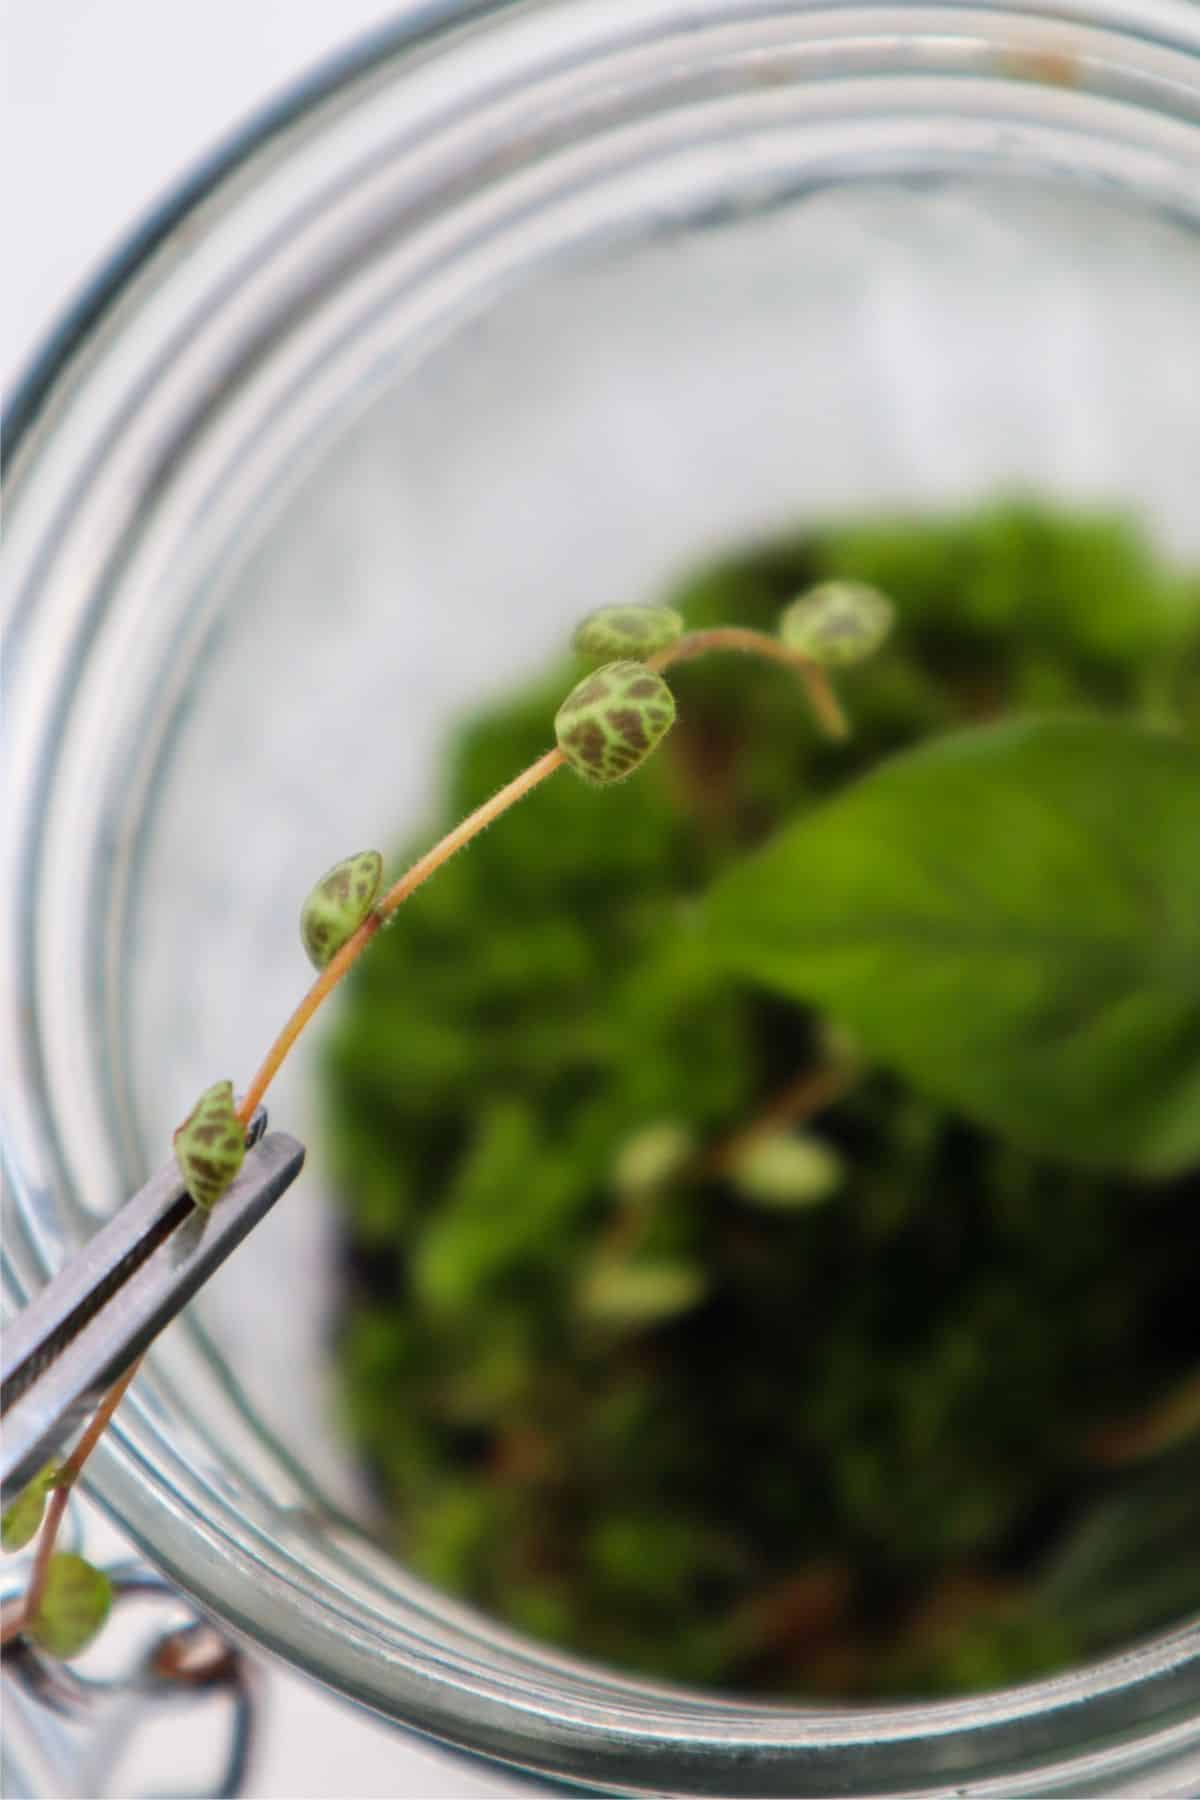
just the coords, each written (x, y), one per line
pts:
(857, 1447)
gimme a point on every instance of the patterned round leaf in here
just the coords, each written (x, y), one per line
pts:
(210, 1145)
(338, 905)
(627, 631)
(611, 721)
(838, 622)
(74, 1606)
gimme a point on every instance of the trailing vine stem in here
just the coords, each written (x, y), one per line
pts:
(826, 709)
(740, 640)
(56, 1505)
(340, 965)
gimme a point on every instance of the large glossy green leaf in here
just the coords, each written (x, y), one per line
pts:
(1010, 917)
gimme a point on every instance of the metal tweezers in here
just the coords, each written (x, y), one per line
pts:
(94, 1319)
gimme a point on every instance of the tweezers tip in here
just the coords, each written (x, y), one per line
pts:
(256, 1127)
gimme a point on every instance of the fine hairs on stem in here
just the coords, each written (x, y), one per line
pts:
(606, 727)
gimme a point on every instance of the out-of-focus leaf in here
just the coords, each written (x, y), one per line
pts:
(1011, 918)
(636, 1294)
(22, 1519)
(74, 1606)
(787, 1171)
(1133, 1564)
(652, 1156)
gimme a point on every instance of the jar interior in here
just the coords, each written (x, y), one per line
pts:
(583, 441)
(742, 333)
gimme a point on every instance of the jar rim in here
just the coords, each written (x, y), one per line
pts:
(1163, 22)
(533, 1708)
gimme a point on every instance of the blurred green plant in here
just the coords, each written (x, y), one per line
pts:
(618, 1378)
(1010, 917)
(613, 1386)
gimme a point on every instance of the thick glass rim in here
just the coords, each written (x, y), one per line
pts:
(1161, 22)
(445, 1670)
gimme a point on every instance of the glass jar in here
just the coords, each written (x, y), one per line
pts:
(514, 312)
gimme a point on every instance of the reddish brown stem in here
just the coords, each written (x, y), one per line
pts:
(696, 643)
(740, 639)
(56, 1506)
(340, 965)
(97, 1425)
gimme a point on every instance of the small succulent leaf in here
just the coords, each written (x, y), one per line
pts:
(611, 721)
(627, 631)
(637, 1295)
(210, 1145)
(786, 1171)
(23, 1518)
(1009, 917)
(838, 622)
(74, 1606)
(652, 1157)
(338, 904)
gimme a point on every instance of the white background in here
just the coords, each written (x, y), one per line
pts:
(108, 101)
(106, 104)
